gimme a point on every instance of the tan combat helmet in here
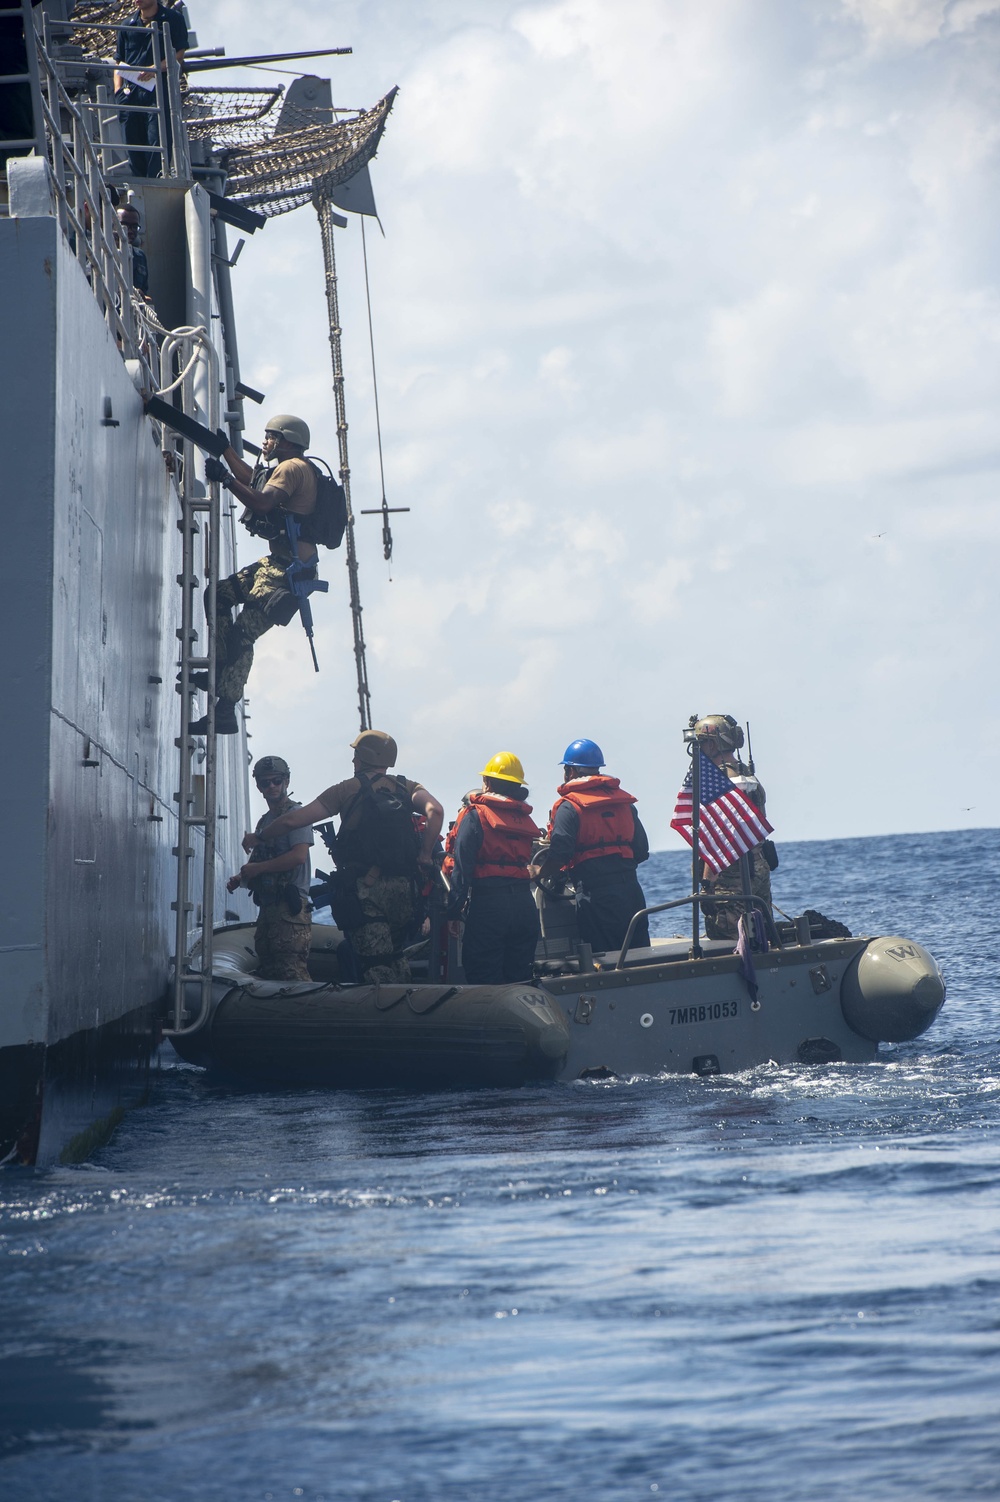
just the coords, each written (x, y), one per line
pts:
(718, 732)
(375, 749)
(288, 426)
(271, 766)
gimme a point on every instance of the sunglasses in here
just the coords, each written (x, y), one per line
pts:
(270, 782)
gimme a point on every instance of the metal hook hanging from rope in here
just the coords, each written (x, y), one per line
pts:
(385, 510)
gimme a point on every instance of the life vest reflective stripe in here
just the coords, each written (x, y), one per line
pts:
(605, 812)
(509, 833)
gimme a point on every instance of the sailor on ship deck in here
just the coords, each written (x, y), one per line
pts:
(131, 223)
(135, 52)
(260, 591)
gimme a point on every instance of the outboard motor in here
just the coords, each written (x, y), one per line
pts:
(560, 948)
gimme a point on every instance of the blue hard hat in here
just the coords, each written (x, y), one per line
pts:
(583, 754)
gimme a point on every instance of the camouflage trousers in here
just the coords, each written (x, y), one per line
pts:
(282, 942)
(721, 922)
(387, 903)
(262, 590)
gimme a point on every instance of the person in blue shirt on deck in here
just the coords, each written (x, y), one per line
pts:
(135, 52)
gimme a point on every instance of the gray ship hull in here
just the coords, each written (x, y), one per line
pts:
(90, 614)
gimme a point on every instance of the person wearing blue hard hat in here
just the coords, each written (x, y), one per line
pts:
(595, 837)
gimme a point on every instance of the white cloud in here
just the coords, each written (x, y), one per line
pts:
(917, 23)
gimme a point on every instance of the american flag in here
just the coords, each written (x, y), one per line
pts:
(729, 826)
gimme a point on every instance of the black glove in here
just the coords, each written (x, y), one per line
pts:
(216, 470)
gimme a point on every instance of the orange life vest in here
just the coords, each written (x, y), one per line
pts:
(508, 835)
(606, 823)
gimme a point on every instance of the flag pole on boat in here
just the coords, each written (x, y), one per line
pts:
(694, 751)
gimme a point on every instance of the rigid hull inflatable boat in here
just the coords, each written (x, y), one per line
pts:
(811, 1000)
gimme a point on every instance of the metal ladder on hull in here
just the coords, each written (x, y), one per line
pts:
(196, 795)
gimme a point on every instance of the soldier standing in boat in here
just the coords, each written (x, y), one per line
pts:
(487, 855)
(595, 836)
(379, 854)
(721, 739)
(277, 875)
(260, 591)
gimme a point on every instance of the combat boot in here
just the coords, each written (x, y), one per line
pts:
(226, 722)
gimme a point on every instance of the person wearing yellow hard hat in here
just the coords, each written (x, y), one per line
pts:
(487, 854)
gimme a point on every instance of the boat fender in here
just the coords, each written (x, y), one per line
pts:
(892, 991)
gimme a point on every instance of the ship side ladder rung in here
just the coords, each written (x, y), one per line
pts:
(199, 526)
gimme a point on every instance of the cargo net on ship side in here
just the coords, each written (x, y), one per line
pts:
(100, 14)
(275, 160)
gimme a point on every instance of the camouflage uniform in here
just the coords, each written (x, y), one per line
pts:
(282, 940)
(722, 922)
(281, 937)
(262, 590)
(388, 905)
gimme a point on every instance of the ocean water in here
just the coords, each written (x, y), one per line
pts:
(778, 1285)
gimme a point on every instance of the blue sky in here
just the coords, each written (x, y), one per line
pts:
(688, 337)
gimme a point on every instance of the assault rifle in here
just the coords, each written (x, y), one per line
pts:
(302, 588)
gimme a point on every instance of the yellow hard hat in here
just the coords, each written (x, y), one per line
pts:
(505, 766)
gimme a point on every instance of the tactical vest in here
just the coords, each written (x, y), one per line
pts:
(377, 829)
(324, 525)
(263, 523)
(509, 833)
(606, 823)
(273, 885)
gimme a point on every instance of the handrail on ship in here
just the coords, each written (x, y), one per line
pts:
(166, 102)
(73, 138)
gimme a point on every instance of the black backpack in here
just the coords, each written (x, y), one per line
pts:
(378, 830)
(327, 524)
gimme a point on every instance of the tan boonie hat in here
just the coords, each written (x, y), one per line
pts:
(375, 748)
